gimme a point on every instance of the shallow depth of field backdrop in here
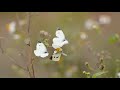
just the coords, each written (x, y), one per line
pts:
(93, 50)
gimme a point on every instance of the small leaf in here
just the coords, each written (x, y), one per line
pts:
(98, 30)
(115, 38)
(46, 42)
(98, 74)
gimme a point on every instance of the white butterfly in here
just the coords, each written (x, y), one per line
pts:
(41, 50)
(59, 40)
(57, 54)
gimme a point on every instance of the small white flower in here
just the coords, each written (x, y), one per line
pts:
(91, 24)
(42, 32)
(74, 68)
(11, 27)
(69, 73)
(46, 33)
(118, 74)
(104, 19)
(22, 22)
(83, 35)
(16, 36)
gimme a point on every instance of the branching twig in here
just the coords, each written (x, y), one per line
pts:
(17, 20)
(14, 61)
(29, 71)
(31, 67)
(10, 58)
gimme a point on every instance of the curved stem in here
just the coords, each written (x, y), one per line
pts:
(30, 66)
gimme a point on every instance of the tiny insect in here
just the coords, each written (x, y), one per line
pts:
(57, 54)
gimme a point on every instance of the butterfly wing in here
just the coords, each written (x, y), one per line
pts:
(43, 55)
(60, 34)
(56, 43)
(41, 50)
(37, 53)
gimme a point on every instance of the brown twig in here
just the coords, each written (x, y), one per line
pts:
(17, 20)
(10, 58)
(14, 61)
(31, 66)
(29, 71)
(1, 47)
(28, 28)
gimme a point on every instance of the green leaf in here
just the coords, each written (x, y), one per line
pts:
(98, 30)
(98, 74)
(46, 42)
(115, 38)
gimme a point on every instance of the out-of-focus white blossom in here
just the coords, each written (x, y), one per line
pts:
(104, 19)
(83, 35)
(16, 36)
(46, 33)
(74, 68)
(22, 22)
(118, 74)
(11, 27)
(91, 24)
(71, 71)
(42, 32)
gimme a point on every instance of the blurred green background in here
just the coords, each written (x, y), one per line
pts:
(99, 49)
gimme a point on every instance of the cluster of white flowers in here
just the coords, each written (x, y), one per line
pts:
(104, 19)
(91, 24)
(12, 27)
